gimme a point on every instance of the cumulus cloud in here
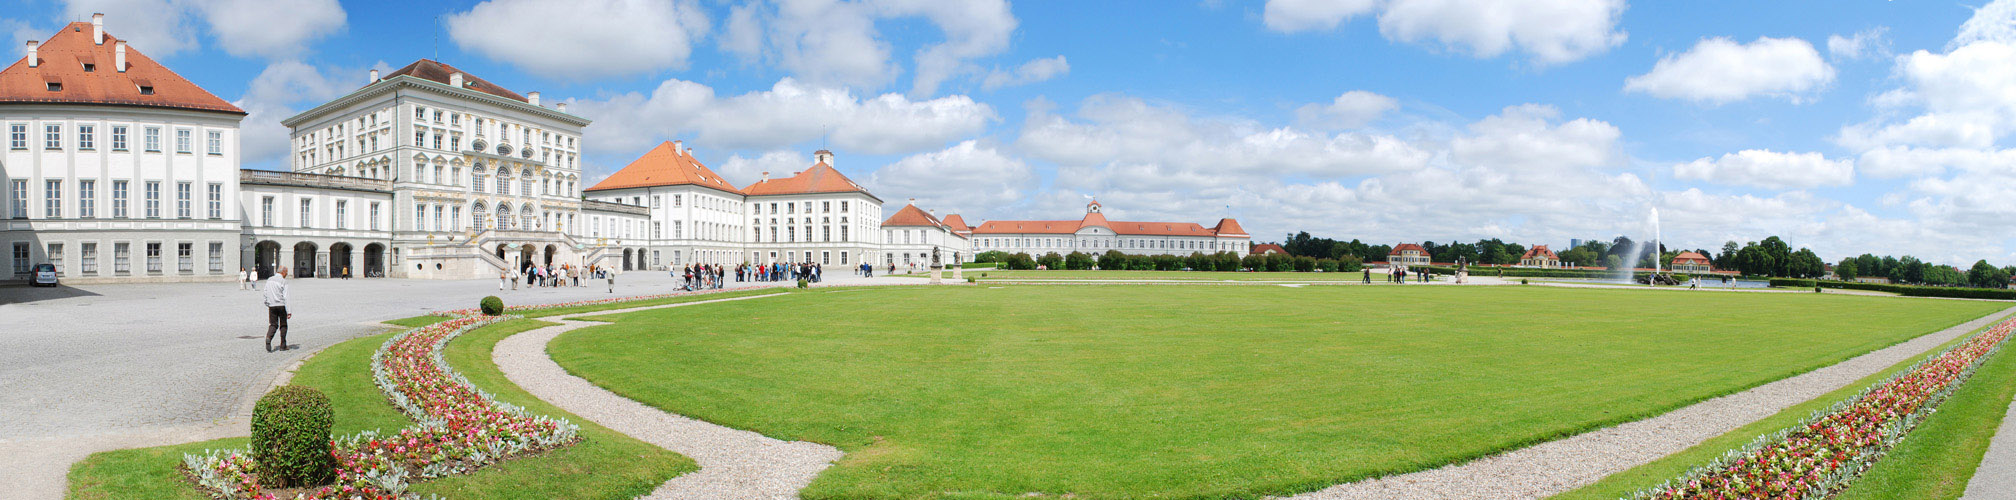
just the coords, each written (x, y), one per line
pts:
(1124, 132)
(1350, 110)
(1995, 22)
(246, 28)
(965, 178)
(788, 113)
(1720, 70)
(742, 171)
(1770, 169)
(1290, 16)
(1037, 70)
(1905, 161)
(1526, 137)
(1865, 43)
(283, 89)
(837, 43)
(581, 39)
(1549, 31)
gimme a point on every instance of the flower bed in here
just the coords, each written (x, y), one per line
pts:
(460, 428)
(1823, 454)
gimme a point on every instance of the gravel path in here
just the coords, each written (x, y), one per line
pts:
(1556, 467)
(1995, 479)
(734, 464)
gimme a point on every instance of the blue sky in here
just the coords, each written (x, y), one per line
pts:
(1847, 126)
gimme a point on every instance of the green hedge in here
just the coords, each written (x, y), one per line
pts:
(290, 437)
(1918, 291)
(1534, 272)
(1792, 283)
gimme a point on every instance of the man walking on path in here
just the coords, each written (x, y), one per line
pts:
(1368, 276)
(612, 280)
(244, 279)
(276, 308)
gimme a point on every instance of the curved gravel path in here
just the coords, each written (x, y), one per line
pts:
(1556, 467)
(734, 464)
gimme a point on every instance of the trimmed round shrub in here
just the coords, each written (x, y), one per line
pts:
(290, 438)
(492, 306)
(804, 284)
(1522, 281)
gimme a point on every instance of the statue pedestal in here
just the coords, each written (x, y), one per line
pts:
(959, 273)
(935, 275)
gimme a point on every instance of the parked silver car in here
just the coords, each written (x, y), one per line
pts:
(43, 274)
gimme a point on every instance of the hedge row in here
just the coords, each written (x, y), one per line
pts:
(1534, 272)
(1915, 291)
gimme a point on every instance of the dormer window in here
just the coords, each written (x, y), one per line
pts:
(55, 86)
(146, 90)
(88, 67)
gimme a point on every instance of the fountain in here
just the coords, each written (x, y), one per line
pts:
(1659, 276)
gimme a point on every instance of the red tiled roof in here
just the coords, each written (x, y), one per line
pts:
(957, 223)
(664, 165)
(1098, 219)
(821, 178)
(438, 72)
(1540, 251)
(1407, 246)
(1690, 257)
(1028, 227)
(910, 215)
(1268, 248)
(63, 58)
(1229, 227)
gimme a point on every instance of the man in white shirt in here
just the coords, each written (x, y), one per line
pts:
(276, 308)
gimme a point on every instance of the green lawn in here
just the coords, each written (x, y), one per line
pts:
(604, 465)
(1157, 275)
(1935, 461)
(418, 321)
(1208, 392)
(588, 308)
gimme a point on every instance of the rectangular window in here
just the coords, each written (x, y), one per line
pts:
(307, 211)
(55, 254)
(419, 138)
(216, 144)
(216, 201)
(20, 202)
(419, 113)
(52, 136)
(374, 216)
(266, 211)
(342, 210)
(153, 199)
(454, 143)
(825, 207)
(20, 257)
(185, 257)
(119, 199)
(52, 199)
(87, 198)
(217, 257)
(89, 261)
(183, 141)
(437, 141)
(17, 136)
(455, 218)
(87, 137)
(122, 258)
(419, 217)
(153, 258)
(437, 218)
(843, 209)
(183, 199)
(118, 137)
(153, 138)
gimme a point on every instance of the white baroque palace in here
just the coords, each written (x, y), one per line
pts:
(118, 169)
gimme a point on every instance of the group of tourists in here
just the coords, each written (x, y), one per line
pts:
(551, 276)
(702, 276)
(780, 271)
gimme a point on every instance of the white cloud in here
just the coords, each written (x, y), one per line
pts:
(1549, 31)
(743, 171)
(1719, 70)
(1128, 133)
(1526, 138)
(830, 42)
(1995, 22)
(1290, 16)
(1036, 70)
(283, 89)
(1770, 169)
(965, 178)
(788, 113)
(1350, 110)
(1866, 43)
(1968, 97)
(272, 29)
(582, 39)
(1898, 161)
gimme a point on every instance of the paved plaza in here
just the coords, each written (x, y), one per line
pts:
(97, 367)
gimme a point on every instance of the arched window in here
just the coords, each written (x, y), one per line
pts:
(503, 216)
(477, 212)
(476, 178)
(525, 213)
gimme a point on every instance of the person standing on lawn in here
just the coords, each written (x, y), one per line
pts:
(276, 308)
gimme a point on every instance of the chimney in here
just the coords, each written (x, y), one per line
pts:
(561, 106)
(913, 201)
(823, 156)
(98, 28)
(119, 56)
(455, 80)
(766, 177)
(374, 77)
(32, 60)
(679, 147)
(532, 98)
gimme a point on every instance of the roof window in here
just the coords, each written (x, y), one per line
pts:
(55, 86)
(89, 67)
(146, 90)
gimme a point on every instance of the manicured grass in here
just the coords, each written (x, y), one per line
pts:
(604, 465)
(560, 311)
(418, 321)
(1938, 459)
(1624, 484)
(1158, 275)
(1208, 392)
